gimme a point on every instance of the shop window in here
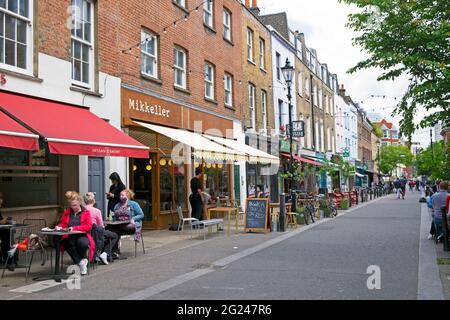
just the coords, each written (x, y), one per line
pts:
(143, 171)
(28, 179)
(216, 177)
(172, 185)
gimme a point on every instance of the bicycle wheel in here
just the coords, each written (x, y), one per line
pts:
(305, 215)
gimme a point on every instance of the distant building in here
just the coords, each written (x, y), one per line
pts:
(390, 133)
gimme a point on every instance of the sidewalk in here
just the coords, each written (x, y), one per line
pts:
(158, 244)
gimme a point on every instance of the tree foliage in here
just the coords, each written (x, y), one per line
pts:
(408, 37)
(434, 163)
(392, 156)
(377, 130)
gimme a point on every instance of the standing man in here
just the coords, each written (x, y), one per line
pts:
(397, 186)
(403, 183)
(195, 199)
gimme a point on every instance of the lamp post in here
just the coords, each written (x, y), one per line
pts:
(379, 159)
(288, 72)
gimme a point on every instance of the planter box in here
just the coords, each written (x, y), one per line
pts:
(344, 204)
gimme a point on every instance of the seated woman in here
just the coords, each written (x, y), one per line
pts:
(77, 218)
(5, 238)
(127, 210)
(110, 237)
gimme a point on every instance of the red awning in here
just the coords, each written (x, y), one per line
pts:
(302, 159)
(14, 135)
(71, 130)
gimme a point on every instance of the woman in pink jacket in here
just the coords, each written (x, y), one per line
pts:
(77, 218)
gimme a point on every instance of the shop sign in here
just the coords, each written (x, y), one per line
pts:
(346, 153)
(2, 79)
(284, 146)
(321, 156)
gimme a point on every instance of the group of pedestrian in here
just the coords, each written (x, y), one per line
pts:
(400, 187)
(438, 199)
(101, 239)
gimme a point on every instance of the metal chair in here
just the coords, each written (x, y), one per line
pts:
(182, 219)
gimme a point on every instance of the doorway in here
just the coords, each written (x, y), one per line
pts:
(96, 181)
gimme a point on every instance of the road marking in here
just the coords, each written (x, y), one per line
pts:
(429, 282)
(38, 286)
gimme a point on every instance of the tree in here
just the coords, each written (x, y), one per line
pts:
(408, 37)
(392, 156)
(434, 163)
(377, 130)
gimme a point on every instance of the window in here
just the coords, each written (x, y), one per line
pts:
(300, 84)
(209, 81)
(394, 134)
(179, 67)
(307, 89)
(385, 133)
(228, 88)
(227, 24)
(262, 54)
(208, 13)
(278, 66)
(249, 44)
(181, 3)
(16, 33)
(326, 104)
(149, 54)
(82, 42)
(251, 105)
(264, 109)
(314, 93)
(320, 99)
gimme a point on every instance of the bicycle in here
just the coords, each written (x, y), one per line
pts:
(332, 207)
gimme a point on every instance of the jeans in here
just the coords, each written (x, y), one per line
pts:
(76, 246)
(111, 240)
(121, 230)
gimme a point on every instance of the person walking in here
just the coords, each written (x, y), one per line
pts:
(195, 199)
(403, 183)
(115, 189)
(397, 186)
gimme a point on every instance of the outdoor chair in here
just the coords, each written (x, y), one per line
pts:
(182, 219)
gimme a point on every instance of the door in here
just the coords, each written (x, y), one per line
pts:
(96, 177)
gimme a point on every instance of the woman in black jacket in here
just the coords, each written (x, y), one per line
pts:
(113, 195)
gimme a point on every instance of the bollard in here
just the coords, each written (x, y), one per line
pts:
(445, 228)
(282, 211)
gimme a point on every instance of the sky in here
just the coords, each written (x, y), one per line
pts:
(323, 23)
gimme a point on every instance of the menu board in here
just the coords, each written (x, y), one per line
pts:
(256, 215)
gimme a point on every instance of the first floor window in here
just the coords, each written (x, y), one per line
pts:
(149, 57)
(179, 67)
(208, 13)
(228, 89)
(251, 105)
(264, 109)
(15, 33)
(209, 81)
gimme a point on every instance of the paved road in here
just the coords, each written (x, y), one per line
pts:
(327, 261)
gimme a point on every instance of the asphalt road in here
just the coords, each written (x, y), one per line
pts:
(329, 261)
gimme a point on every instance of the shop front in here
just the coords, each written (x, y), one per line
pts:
(180, 139)
(41, 142)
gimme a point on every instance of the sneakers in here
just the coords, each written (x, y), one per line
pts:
(83, 266)
(104, 258)
(430, 236)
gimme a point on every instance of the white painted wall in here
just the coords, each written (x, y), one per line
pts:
(56, 76)
(351, 132)
(239, 135)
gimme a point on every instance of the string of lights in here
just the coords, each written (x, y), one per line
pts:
(164, 29)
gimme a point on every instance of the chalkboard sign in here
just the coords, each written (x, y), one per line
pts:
(256, 215)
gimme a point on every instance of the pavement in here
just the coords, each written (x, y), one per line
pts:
(331, 259)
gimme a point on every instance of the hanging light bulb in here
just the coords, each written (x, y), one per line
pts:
(170, 162)
(196, 9)
(185, 17)
(220, 166)
(148, 167)
(175, 24)
(162, 162)
(134, 168)
(165, 31)
(208, 165)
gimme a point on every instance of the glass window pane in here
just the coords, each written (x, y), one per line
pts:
(2, 18)
(76, 70)
(76, 50)
(13, 6)
(79, 28)
(166, 184)
(10, 53)
(181, 59)
(85, 69)
(87, 32)
(2, 51)
(21, 56)
(85, 53)
(87, 11)
(3, 3)
(23, 11)
(21, 31)
(10, 27)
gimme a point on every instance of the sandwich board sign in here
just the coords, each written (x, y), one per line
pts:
(257, 215)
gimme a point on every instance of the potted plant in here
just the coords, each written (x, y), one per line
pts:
(325, 211)
(344, 203)
(300, 215)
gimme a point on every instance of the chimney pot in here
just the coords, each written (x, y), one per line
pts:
(247, 3)
(254, 3)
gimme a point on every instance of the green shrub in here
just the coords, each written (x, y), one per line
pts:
(344, 204)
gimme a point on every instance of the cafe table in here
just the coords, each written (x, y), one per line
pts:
(229, 211)
(57, 235)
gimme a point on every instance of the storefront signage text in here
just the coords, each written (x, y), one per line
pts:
(2, 79)
(143, 106)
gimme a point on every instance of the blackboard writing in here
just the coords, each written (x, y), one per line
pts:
(256, 214)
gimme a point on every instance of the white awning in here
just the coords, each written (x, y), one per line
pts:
(254, 155)
(203, 148)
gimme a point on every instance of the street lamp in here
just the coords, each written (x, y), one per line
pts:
(379, 159)
(288, 73)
